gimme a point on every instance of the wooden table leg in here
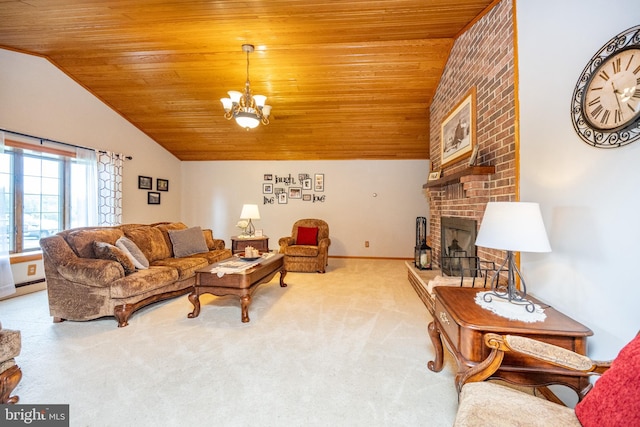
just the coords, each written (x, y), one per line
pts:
(195, 300)
(436, 340)
(245, 300)
(283, 273)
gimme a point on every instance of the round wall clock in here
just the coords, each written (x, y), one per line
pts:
(605, 106)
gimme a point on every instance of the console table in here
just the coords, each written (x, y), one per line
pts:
(460, 323)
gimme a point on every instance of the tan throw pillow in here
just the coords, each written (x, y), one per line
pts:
(188, 242)
(133, 253)
(208, 237)
(108, 251)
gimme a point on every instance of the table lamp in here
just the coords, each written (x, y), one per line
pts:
(250, 212)
(512, 227)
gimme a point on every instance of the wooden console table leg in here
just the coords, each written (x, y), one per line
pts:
(245, 300)
(436, 340)
(195, 300)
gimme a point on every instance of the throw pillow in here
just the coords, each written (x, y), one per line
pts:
(108, 251)
(133, 253)
(307, 236)
(613, 401)
(208, 237)
(188, 242)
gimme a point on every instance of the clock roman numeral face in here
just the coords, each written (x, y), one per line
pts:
(612, 96)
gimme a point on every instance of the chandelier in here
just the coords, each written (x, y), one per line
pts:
(248, 110)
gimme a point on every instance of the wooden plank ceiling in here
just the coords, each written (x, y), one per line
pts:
(347, 79)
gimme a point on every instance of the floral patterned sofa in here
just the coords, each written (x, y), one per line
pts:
(93, 272)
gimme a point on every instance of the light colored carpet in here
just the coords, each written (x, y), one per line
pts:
(345, 348)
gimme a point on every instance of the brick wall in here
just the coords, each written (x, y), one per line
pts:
(481, 58)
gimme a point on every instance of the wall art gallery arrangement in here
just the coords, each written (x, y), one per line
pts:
(301, 187)
(146, 183)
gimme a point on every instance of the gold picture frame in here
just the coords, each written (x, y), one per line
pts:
(458, 130)
(434, 175)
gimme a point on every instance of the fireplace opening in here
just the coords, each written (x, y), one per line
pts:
(458, 246)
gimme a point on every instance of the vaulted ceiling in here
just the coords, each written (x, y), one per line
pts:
(347, 79)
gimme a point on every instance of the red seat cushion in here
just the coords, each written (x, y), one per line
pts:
(613, 401)
(307, 236)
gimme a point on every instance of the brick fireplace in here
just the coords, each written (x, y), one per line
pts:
(481, 58)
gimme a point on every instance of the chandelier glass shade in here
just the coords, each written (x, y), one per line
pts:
(248, 110)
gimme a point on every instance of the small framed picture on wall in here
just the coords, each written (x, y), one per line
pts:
(319, 182)
(162, 184)
(153, 198)
(145, 182)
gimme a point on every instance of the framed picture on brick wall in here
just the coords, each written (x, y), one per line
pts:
(458, 131)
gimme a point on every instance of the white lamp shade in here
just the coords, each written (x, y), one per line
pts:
(260, 100)
(235, 96)
(250, 212)
(266, 110)
(226, 103)
(513, 226)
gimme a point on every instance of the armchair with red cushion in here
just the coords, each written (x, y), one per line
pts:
(307, 249)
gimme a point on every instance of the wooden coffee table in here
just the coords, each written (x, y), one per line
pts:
(461, 324)
(241, 284)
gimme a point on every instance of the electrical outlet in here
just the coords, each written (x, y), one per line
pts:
(366, 243)
(31, 270)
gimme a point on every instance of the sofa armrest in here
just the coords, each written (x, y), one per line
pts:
(58, 256)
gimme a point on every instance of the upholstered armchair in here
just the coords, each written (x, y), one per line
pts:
(10, 373)
(307, 249)
(614, 400)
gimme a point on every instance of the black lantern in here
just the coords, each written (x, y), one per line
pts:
(422, 258)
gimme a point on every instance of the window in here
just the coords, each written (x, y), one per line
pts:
(37, 186)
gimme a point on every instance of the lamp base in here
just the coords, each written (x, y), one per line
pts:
(250, 229)
(509, 292)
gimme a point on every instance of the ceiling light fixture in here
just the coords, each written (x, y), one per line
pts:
(249, 111)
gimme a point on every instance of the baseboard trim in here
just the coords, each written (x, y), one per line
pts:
(369, 257)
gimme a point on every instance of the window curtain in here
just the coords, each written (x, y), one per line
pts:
(7, 285)
(84, 189)
(110, 167)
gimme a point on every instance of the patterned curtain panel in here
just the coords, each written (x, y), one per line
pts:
(109, 188)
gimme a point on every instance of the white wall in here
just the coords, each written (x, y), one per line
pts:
(589, 196)
(369, 200)
(36, 98)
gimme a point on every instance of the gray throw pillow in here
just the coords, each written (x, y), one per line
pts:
(188, 242)
(133, 253)
(105, 250)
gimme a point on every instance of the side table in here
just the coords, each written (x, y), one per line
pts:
(238, 243)
(461, 324)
